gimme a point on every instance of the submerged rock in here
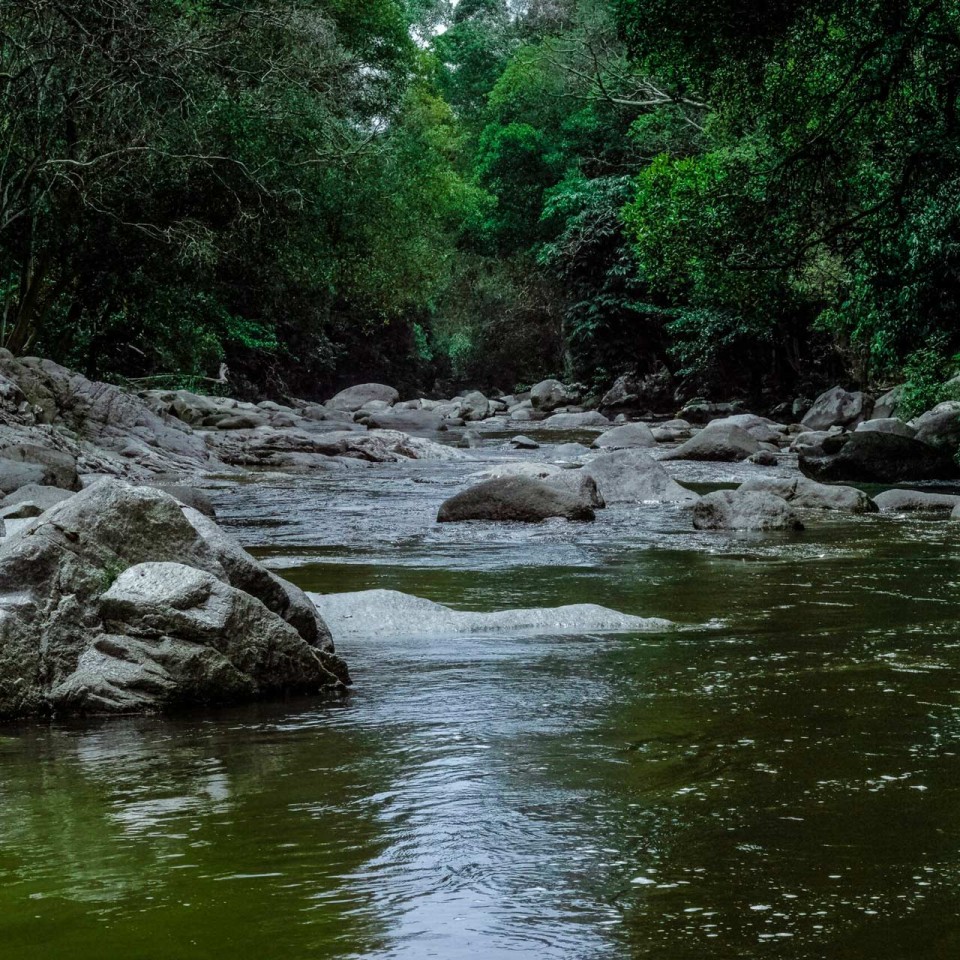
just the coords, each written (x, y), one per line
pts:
(514, 499)
(387, 613)
(736, 510)
(916, 501)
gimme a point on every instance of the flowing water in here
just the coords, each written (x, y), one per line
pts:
(777, 777)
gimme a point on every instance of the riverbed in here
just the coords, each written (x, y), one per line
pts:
(777, 775)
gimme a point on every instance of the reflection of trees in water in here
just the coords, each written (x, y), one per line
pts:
(240, 825)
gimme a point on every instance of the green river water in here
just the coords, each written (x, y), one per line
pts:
(777, 777)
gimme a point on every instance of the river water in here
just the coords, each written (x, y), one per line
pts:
(776, 777)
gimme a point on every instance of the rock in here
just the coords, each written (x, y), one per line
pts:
(25, 510)
(474, 406)
(173, 636)
(887, 425)
(550, 394)
(915, 501)
(738, 510)
(576, 421)
(939, 427)
(55, 569)
(889, 403)
(672, 431)
(524, 443)
(386, 613)
(632, 476)
(353, 398)
(806, 494)
(837, 408)
(15, 474)
(700, 411)
(810, 443)
(653, 392)
(760, 428)
(188, 496)
(580, 484)
(717, 441)
(414, 421)
(522, 468)
(570, 451)
(515, 499)
(469, 439)
(763, 458)
(625, 437)
(872, 457)
(59, 467)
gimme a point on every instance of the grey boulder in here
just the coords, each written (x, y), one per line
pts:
(872, 457)
(625, 437)
(837, 408)
(719, 441)
(550, 394)
(887, 425)
(632, 476)
(513, 499)
(576, 421)
(916, 501)
(807, 494)
(353, 398)
(738, 510)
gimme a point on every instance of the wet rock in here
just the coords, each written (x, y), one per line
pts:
(738, 510)
(717, 441)
(873, 457)
(576, 421)
(523, 468)
(806, 494)
(625, 437)
(188, 496)
(672, 431)
(524, 443)
(387, 613)
(916, 501)
(837, 408)
(632, 476)
(887, 425)
(763, 458)
(174, 635)
(570, 451)
(513, 499)
(413, 421)
(547, 395)
(761, 429)
(353, 398)
(469, 440)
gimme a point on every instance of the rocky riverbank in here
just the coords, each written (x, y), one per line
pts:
(119, 593)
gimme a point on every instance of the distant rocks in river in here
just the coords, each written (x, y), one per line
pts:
(353, 398)
(837, 408)
(633, 476)
(514, 499)
(720, 440)
(916, 501)
(625, 437)
(806, 494)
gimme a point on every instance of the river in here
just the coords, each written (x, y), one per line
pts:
(777, 776)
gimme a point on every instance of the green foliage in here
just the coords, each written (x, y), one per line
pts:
(928, 374)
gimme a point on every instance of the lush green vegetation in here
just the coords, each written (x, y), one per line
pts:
(763, 196)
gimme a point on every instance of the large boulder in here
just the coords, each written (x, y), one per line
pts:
(177, 636)
(717, 441)
(889, 403)
(873, 457)
(474, 406)
(15, 474)
(632, 476)
(413, 421)
(653, 392)
(940, 427)
(42, 496)
(916, 501)
(550, 394)
(837, 408)
(760, 428)
(576, 421)
(704, 411)
(353, 398)
(514, 499)
(580, 484)
(55, 570)
(806, 494)
(624, 437)
(738, 510)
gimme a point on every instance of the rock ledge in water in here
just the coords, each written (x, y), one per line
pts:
(376, 613)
